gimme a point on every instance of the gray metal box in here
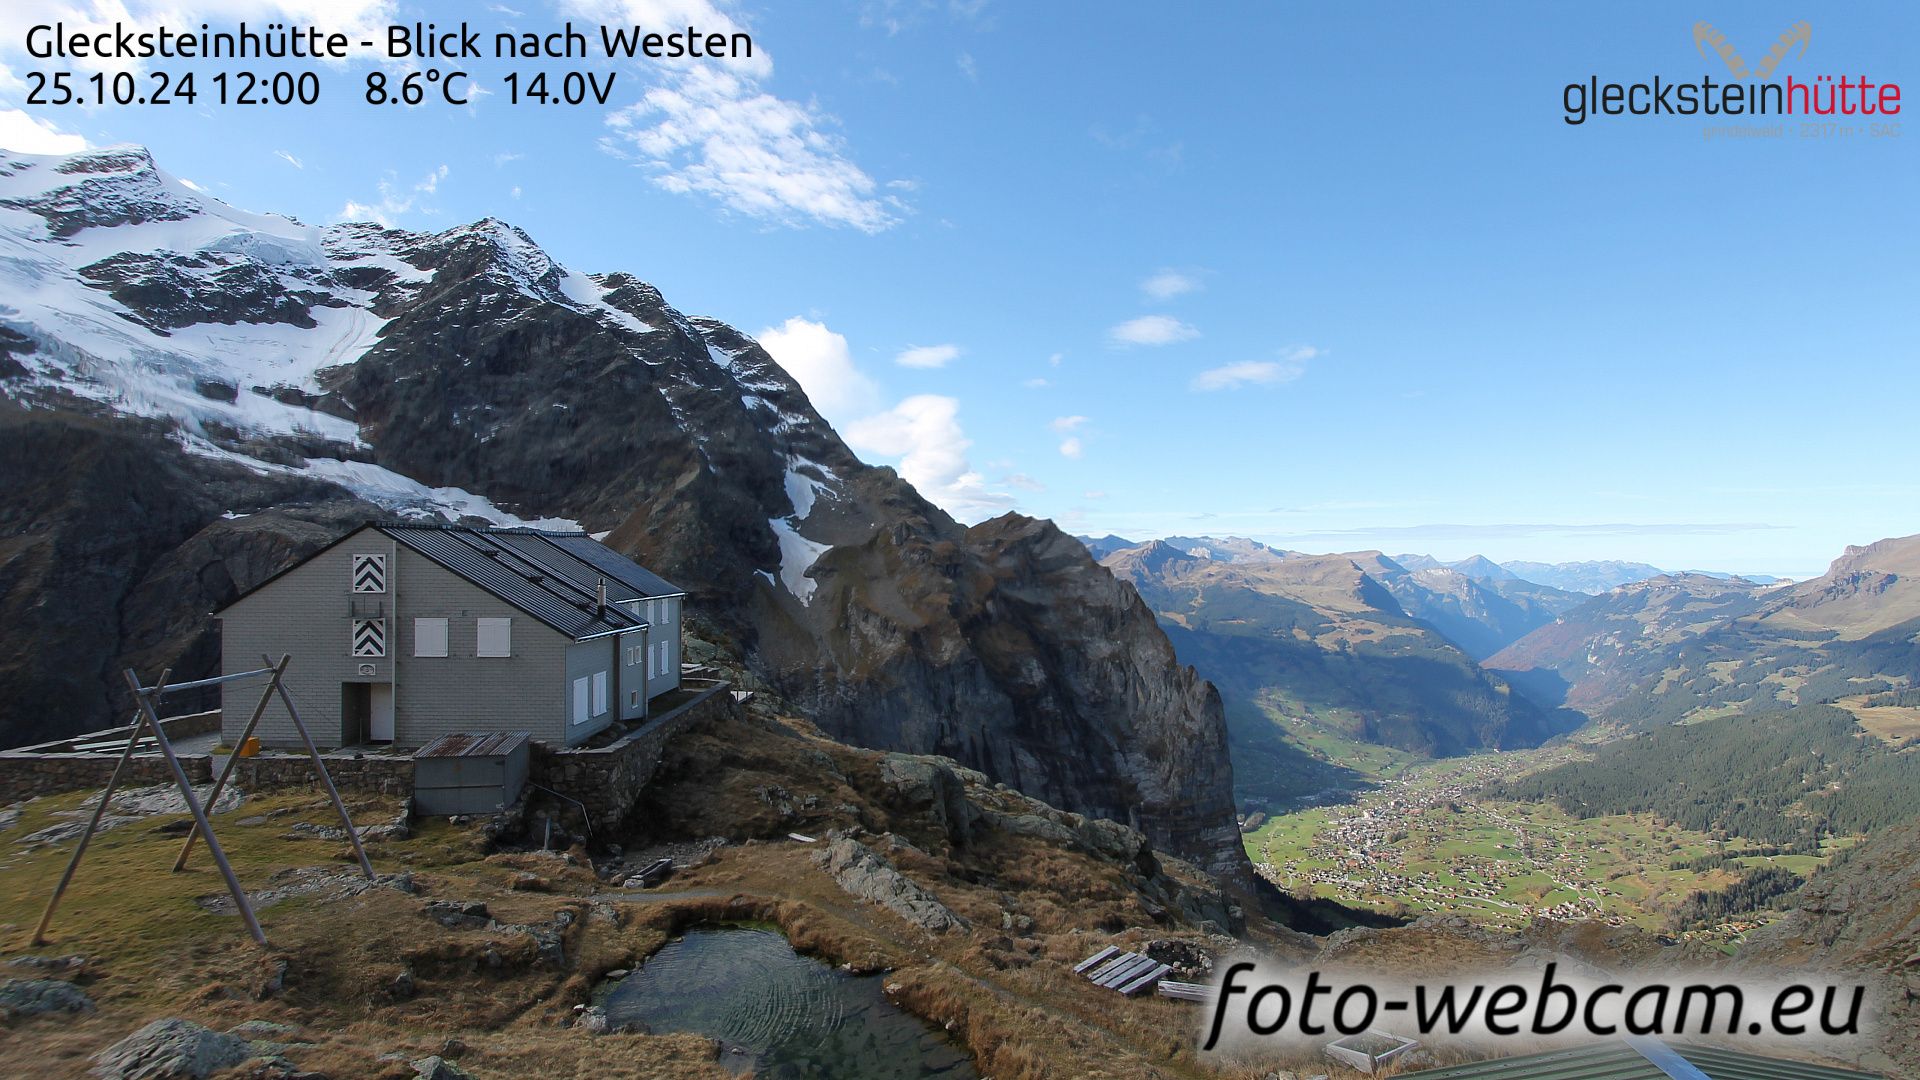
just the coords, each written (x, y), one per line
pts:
(470, 773)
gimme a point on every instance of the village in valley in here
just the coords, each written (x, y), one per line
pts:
(1427, 839)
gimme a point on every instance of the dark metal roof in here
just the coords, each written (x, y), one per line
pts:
(1625, 1061)
(626, 579)
(515, 565)
(552, 576)
(461, 744)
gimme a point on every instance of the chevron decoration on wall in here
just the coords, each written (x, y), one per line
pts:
(369, 637)
(369, 573)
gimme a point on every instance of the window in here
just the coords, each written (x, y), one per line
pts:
(660, 651)
(580, 692)
(369, 638)
(633, 699)
(599, 693)
(494, 638)
(369, 573)
(429, 637)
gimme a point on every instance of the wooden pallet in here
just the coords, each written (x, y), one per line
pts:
(1186, 991)
(1124, 972)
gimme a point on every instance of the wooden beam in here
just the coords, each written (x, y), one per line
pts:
(219, 785)
(199, 814)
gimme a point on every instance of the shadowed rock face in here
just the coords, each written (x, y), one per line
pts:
(555, 394)
(1005, 647)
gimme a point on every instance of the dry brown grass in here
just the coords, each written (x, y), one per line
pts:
(1010, 998)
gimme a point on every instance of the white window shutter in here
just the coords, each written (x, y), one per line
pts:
(494, 637)
(429, 637)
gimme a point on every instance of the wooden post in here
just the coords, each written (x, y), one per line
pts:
(145, 698)
(219, 785)
(80, 849)
(320, 767)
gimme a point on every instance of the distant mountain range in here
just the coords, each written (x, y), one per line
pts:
(1685, 645)
(1590, 578)
(1349, 645)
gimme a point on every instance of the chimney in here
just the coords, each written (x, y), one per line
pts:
(601, 595)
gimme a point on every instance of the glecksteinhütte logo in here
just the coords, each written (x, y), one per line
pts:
(1751, 91)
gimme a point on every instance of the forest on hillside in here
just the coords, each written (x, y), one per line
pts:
(1790, 778)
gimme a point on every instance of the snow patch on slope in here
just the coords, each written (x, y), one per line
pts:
(797, 556)
(397, 492)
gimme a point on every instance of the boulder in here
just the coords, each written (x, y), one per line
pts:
(935, 788)
(171, 1049)
(32, 997)
(437, 1068)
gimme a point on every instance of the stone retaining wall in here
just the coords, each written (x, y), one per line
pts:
(51, 768)
(609, 779)
(379, 774)
(606, 780)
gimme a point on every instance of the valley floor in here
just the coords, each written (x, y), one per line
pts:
(1424, 840)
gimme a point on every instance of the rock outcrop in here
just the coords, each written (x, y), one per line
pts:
(171, 1049)
(867, 874)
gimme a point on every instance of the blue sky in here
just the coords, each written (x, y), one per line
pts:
(1333, 276)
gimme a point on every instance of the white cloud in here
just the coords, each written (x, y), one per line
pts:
(1071, 447)
(288, 158)
(1093, 495)
(1168, 284)
(393, 202)
(1291, 365)
(1152, 330)
(28, 134)
(506, 159)
(1036, 384)
(1054, 360)
(819, 360)
(928, 356)
(1023, 482)
(515, 192)
(967, 67)
(923, 433)
(710, 131)
(1063, 424)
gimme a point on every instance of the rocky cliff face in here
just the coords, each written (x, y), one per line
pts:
(220, 391)
(1860, 914)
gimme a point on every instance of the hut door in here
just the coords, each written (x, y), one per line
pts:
(380, 726)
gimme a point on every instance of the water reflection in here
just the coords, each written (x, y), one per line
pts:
(793, 1016)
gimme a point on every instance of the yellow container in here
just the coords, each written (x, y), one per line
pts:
(250, 747)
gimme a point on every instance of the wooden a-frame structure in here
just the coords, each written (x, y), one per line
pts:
(147, 718)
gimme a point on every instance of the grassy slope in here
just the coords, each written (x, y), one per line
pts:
(1011, 997)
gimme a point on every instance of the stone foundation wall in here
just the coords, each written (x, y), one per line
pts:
(24, 778)
(51, 768)
(609, 779)
(377, 774)
(606, 780)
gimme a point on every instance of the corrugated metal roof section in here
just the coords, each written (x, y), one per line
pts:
(1723, 1064)
(617, 567)
(462, 744)
(1605, 1061)
(532, 586)
(1619, 1061)
(585, 561)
